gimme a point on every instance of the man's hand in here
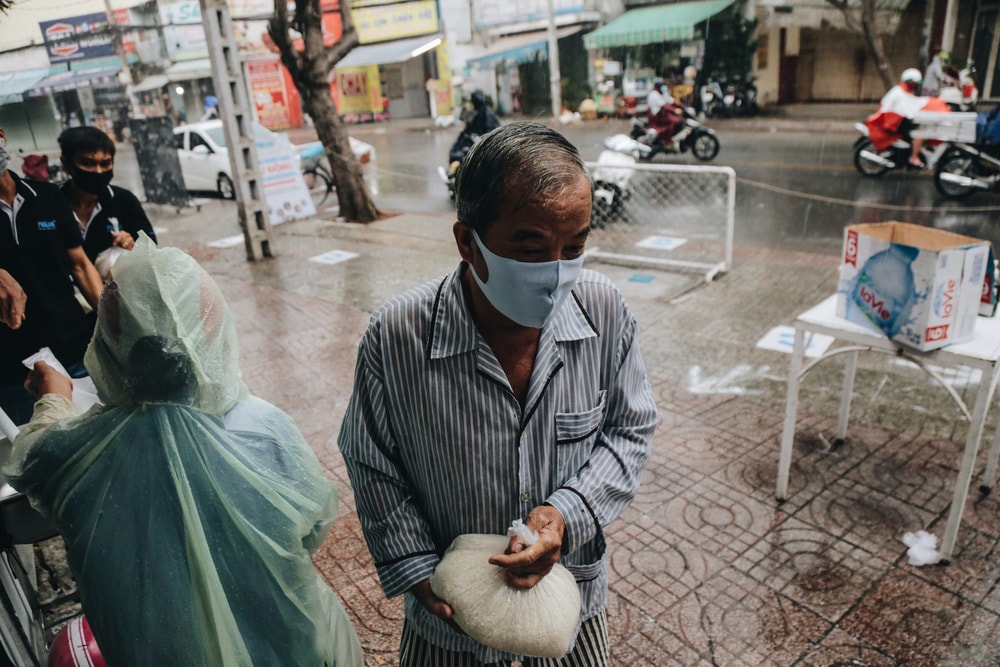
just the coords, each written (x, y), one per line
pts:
(46, 380)
(123, 240)
(527, 565)
(12, 301)
(435, 605)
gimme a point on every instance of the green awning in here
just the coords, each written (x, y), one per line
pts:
(662, 23)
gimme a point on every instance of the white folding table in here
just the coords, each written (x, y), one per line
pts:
(982, 352)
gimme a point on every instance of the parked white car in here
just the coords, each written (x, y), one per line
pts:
(204, 159)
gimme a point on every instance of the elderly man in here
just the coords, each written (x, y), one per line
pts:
(511, 387)
(39, 243)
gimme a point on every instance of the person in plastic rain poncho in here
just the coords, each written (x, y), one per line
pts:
(189, 507)
(512, 387)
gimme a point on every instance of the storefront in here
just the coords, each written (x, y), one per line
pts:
(90, 94)
(514, 70)
(659, 40)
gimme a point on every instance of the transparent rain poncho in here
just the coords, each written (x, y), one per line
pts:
(189, 508)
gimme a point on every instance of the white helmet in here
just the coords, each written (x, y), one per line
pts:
(912, 75)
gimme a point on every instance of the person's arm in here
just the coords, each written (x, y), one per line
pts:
(398, 535)
(607, 482)
(87, 277)
(55, 393)
(12, 301)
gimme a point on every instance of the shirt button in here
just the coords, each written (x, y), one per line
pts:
(524, 496)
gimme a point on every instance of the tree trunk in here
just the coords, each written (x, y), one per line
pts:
(309, 68)
(353, 198)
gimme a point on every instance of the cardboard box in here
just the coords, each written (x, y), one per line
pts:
(922, 287)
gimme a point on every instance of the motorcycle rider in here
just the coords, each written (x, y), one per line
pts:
(482, 120)
(668, 118)
(895, 115)
(655, 100)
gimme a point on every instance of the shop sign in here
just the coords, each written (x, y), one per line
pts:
(490, 13)
(182, 29)
(121, 17)
(386, 22)
(357, 90)
(281, 179)
(270, 94)
(77, 38)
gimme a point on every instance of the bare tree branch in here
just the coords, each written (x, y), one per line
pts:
(309, 64)
(866, 26)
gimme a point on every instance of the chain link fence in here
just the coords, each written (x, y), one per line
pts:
(674, 217)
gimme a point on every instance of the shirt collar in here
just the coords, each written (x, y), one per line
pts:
(454, 332)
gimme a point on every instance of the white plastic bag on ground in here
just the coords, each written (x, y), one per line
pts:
(538, 622)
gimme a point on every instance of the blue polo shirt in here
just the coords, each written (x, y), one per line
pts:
(34, 236)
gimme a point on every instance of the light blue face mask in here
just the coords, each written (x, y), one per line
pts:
(529, 293)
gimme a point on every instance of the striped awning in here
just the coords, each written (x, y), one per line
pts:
(662, 23)
(13, 84)
(77, 78)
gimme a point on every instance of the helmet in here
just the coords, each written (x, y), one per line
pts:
(911, 75)
(75, 646)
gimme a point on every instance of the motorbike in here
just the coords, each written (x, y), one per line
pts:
(972, 167)
(700, 140)
(39, 168)
(458, 150)
(747, 100)
(712, 98)
(612, 177)
(874, 163)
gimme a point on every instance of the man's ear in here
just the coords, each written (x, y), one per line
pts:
(464, 240)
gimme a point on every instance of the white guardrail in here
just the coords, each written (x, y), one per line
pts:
(669, 216)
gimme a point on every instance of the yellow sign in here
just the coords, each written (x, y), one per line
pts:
(386, 22)
(357, 90)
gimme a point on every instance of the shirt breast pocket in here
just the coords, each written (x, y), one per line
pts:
(576, 433)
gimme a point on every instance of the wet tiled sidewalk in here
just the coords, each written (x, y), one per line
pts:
(707, 568)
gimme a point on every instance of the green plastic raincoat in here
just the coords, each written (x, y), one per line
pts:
(189, 508)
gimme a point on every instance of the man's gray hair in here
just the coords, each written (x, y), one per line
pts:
(514, 165)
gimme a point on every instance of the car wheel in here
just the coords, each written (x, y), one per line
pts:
(224, 185)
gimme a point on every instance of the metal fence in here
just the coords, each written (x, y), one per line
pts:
(674, 217)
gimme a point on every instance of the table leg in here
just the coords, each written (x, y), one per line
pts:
(986, 483)
(983, 398)
(850, 371)
(791, 408)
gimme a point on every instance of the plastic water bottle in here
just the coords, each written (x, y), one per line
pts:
(884, 287)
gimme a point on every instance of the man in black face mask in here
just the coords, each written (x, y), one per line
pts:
(109, 216)
(40, 247)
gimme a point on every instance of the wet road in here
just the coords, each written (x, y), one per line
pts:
(795, 189)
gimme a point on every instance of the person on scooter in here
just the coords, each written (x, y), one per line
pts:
(482, 120)
(895, 114)
(668, 119)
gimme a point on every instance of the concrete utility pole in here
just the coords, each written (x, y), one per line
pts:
(555, 78)
(237, 123)
(950, 21)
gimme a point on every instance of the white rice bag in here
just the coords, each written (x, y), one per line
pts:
(537, 622)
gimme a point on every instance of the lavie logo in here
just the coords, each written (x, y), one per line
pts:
(851, 248)
(936, 333)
